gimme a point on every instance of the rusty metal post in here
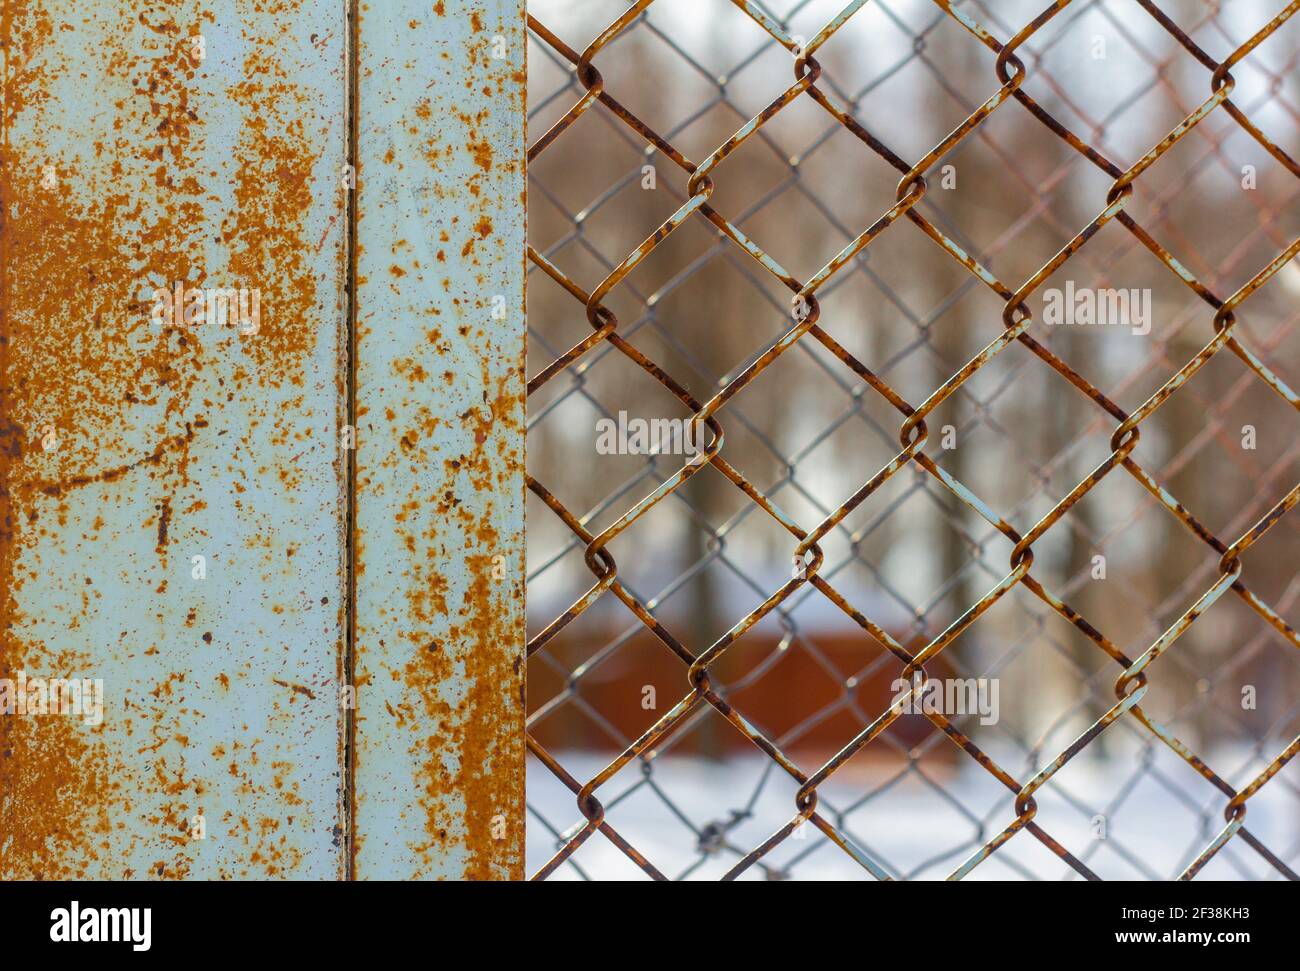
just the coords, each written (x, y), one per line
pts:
(437, 774)
(170, 484)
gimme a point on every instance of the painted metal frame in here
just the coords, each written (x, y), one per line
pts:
(440, 463)
(291, 553)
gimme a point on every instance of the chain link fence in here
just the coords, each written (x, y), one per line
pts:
(983, 319)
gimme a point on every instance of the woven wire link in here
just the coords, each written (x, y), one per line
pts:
(1128, 677)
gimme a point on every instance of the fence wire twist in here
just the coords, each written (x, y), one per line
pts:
(1132, 673)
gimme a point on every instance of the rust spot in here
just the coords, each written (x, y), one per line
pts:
(481, 150)
(164, 519)
(296, 688)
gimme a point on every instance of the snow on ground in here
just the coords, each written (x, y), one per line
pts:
(1158, 818)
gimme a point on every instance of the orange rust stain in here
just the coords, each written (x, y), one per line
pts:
(481, 149)
(484, 729)
(164, 521)
(273, 191)
(296, 688)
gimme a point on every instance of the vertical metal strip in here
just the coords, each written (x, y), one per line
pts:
(350, 396)
(440, 465)
(171, 485)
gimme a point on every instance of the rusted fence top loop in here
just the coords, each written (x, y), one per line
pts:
(1125, 681)
(1125, 438)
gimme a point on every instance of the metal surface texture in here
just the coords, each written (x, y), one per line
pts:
(287, 541)
(135, 442)
(586, 94)
(439, 553)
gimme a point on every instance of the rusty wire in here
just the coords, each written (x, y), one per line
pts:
(1220, 324)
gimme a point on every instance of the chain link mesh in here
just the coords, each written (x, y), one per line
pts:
(1100, 700)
